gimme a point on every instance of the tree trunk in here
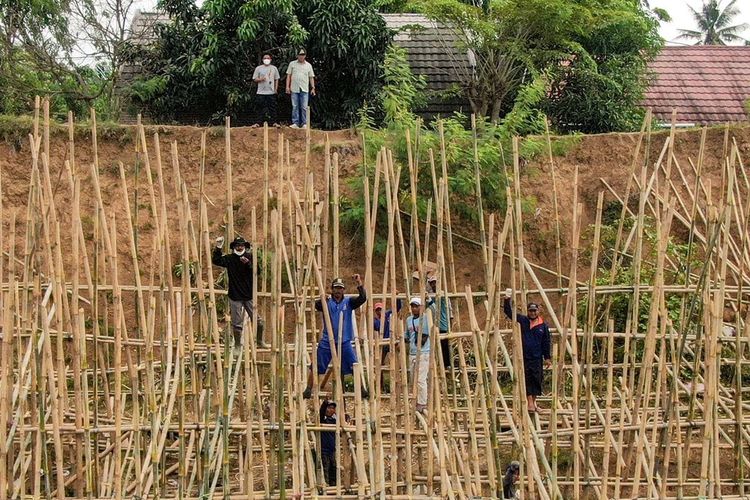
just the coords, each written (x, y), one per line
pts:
(496, 110)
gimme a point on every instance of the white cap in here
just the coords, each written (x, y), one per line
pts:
(415, 301)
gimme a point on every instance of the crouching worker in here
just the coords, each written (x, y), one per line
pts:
(418, 334)
(341, 311)
(535, 340)
(239, 266)
(328, 442)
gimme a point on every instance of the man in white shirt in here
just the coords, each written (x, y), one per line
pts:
(300, 83)
(267, 77)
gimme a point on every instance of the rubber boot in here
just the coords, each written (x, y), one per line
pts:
(259, 337)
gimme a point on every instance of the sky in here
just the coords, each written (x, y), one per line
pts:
(682, 17)
(678, 10)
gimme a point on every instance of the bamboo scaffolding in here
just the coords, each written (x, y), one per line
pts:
(118, 379)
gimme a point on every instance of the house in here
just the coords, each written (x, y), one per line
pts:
(432, 52)
(707, 85)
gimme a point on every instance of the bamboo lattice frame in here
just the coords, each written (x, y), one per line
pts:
(156, 404)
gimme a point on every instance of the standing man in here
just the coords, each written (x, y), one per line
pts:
(239, 266)
(535, 340)
(341, 311)
(418, 334)
(300, 82)
(267, 77)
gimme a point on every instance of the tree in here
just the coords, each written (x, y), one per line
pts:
(496, 49)
(42, 43)
(592, 54)
(205, 56)
(103, 28)
(715, 24)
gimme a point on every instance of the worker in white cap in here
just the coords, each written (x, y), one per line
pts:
(418, 336)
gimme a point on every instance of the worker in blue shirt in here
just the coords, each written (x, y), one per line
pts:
(341, 311)
(535, 340)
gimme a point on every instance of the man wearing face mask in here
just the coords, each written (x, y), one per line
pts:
(267, 77)
(535, 344)
(239, 266)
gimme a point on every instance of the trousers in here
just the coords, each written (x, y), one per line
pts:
(237, 309)
(299, 108)
(421, 373)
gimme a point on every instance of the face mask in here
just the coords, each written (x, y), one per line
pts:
(239, 253)
(266, 61)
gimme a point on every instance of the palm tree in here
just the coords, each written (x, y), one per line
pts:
(715, 24)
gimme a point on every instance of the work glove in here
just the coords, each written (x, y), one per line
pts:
(219, 242)
(508, 293)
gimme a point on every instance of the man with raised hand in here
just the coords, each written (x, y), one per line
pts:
(341, 311)
(535, 340)
(239, 266)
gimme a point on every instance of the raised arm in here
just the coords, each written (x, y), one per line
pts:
(508, 308)
(218, 259)
(356, 302)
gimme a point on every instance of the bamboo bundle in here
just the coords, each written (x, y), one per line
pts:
(118, 380)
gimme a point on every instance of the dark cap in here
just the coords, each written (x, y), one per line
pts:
(238, 241)
(533, 306)
(301, 52)
(337, 282)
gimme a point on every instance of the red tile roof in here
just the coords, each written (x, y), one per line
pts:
(706, 84)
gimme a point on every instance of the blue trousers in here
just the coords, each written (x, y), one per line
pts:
(299, 108)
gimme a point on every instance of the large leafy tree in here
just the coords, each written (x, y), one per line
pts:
(68, 50)
(203, 59)
(592, 55)
(715, 24)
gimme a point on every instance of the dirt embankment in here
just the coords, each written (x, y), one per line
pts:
(599, 159)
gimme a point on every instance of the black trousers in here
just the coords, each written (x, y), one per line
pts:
(445, 348)
(329, 467)
(266, 108)
(533, 374)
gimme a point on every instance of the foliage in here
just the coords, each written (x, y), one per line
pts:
(53, 48)
(203, 60)
(714, 24)
(402, 92)
(584, 62)
(621, 304)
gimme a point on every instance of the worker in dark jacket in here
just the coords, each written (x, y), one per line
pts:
(239, 266)
(535, 339)
(341, 311)
(328, 442)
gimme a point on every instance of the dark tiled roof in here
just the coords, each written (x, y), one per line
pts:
(706, 84)
(433, 51)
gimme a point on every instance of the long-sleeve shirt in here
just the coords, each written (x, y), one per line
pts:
(535, 335)
(343, 309)
(240, 273)
(327, 438)
(418, 331)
